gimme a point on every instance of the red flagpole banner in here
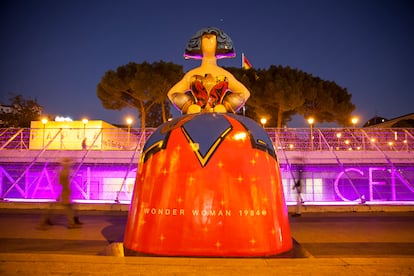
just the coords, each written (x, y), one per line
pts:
(246, 64)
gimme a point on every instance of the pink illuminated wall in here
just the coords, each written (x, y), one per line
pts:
(323, 183)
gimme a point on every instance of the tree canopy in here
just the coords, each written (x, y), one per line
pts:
(280, 92)
(277, 93)
(23, 112)
(142, 86)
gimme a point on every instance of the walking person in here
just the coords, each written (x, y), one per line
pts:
(65, 199)
(84, 145)
(299, 199)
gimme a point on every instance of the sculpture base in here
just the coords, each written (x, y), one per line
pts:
(208, 185)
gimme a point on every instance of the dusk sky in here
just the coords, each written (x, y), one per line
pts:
(57, 51)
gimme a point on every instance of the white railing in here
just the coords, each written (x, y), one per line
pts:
(337, 164)
(297, 139)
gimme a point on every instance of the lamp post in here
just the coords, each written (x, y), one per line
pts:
(263, 121)
(311, 121)
(85, 122)
(354, 121)
(83, 144)
(338, 135)
(44, 122)
(129, 122)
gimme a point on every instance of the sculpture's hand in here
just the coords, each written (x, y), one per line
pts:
(192, 109)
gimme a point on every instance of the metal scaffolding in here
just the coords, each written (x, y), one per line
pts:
(345, 164)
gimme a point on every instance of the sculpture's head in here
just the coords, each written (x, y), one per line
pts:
(224, 49)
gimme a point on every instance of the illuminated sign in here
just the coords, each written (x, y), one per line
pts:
(376, 184)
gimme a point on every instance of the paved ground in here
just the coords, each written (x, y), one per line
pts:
(373, 243)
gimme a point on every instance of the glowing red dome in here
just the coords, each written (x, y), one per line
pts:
(208, 185)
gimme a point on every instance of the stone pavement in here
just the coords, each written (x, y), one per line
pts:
(55, 264)
(326, 243)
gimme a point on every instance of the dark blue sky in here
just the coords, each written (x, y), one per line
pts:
(57, 51)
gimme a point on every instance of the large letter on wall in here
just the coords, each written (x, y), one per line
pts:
(339, 176)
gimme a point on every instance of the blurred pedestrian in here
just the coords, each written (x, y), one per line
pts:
(84, 145)
(299, 199)
(64, 199)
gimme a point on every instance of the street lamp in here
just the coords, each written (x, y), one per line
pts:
(129, 122)
(85, 122)
(311, 121)
(263, 121)
(83, 144)
(338, 135)
(354, 121)
(44, 122)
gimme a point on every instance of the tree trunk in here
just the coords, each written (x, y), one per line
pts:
(164, 115)
(279, 117)
(143, 115)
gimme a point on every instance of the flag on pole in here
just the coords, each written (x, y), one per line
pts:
(245, 63)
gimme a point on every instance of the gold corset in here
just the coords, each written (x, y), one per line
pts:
(208, 80)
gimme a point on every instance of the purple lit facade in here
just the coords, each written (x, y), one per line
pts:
(351, 183)
(336, 170)
(321, 183)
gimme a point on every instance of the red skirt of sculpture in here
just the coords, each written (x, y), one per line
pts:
(208, 185)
